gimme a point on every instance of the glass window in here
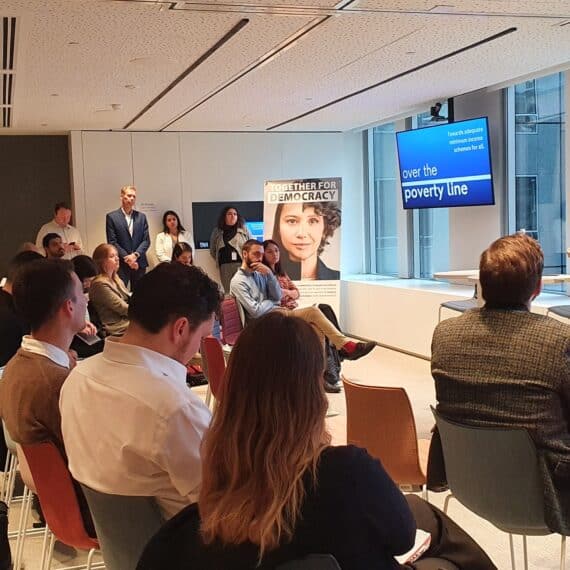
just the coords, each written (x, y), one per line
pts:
(540, 206)
(431, 225)
(384, 200)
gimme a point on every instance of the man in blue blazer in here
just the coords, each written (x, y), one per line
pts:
(127, 230)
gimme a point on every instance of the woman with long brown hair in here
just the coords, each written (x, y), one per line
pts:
(274, 489)
(108, 294)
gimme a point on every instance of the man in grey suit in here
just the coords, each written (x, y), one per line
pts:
(127, 230)
(502, 365)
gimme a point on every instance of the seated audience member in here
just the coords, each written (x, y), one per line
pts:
(289, 296)
(272, 258)
(172, 234)
(53, 246)
(12, 325)
(86, 271)
(29, 246)
(257, 289)
(502, 365)
(131, 402)
(273, 487)
(70, 236)
(49, 296)
(182, 253)
(108, 294)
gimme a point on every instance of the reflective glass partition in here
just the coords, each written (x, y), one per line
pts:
(538, 190)
(384, 202)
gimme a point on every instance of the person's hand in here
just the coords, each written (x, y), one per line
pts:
(261, 268)
(90, 329)
(129, 259)
(67, 247)
(76, 247)
(72, 358)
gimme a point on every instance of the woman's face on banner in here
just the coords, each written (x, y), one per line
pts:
(301, 231)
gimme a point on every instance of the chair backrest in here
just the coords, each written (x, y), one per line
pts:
(494, 472)
(381, 420)
(57, 495)
(214, 364)
(312, 562)
(231, 320)
(24, 469)
(124, 526)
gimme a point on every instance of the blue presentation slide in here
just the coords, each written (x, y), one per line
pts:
(256, 230)
(447, 165)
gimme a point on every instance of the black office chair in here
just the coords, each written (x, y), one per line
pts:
(459, 306)
(560, 310)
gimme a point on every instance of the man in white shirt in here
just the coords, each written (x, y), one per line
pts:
(131, 426)
(70, 236)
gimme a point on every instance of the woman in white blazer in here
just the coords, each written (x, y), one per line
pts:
(173, 233)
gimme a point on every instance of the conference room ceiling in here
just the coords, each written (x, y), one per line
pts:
(257, 65)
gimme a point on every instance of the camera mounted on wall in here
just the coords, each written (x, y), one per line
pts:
(435, 113)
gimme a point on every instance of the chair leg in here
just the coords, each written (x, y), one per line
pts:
(90, 559)
(525, 553)
(563, 553)
(511, 545)
(50, 551)
(45, 548)
(208, 396)
(425, 493)
(22, 526)
(439, 314)
(3, 492)
(446, 502)
(11, 478)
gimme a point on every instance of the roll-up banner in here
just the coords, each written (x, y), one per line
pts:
(304, 218)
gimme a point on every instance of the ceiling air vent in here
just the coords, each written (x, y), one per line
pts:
(8, 52)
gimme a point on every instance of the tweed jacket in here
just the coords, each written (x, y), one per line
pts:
(511, 368)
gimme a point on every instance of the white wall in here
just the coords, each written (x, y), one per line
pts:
(472, 229)
(173, 170)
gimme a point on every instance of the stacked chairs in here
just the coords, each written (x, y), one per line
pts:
(232, 320)
(214, 365)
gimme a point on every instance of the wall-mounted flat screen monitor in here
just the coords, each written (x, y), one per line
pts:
(255, 229)
(446, 165)
(205, 217)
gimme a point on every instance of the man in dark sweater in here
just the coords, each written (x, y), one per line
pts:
(12, 326)
(502, 365)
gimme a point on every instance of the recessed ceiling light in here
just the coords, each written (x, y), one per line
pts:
(44, 124)
(131, 86)
(55, 94)
(410, 52)
(308, 98)
(72, 43)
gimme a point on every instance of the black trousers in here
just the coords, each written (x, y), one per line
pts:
(130, 275)
(448, 541)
